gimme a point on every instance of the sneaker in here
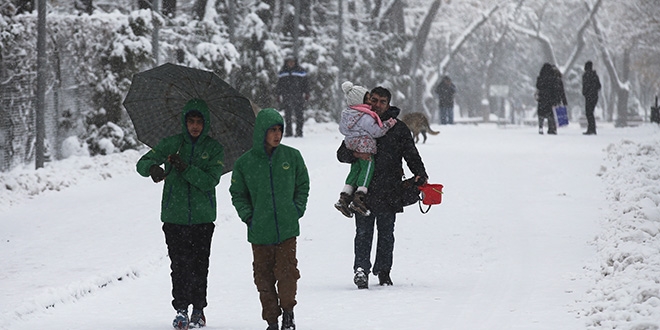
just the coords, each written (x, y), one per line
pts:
(288, 323)
(273, 326)
(342, 205)
(180, 320)
(361, 279)
(197, 319)
(358, 204)
(384, 278)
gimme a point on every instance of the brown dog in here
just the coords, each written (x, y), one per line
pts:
(418, 123)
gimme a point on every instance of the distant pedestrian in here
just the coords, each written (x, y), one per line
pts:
(550, 93)
(292, 91)
(446, 91)
(590, 88)
(269, 189)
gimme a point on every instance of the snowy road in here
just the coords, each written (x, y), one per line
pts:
(507, 249)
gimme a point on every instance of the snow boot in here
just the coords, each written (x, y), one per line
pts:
(361, 279)
(273, 326)
(358, 205)
(288, 322)
(197, 319)
(342, 204)
(384, 278)
(181, 320)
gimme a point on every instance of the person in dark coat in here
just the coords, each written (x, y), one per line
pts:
(292, 91)
(550, 93)
(590, 88)
(446, 91)
(384, 199)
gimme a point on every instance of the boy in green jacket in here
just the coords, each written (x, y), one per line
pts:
(269, 189)
(193, 166)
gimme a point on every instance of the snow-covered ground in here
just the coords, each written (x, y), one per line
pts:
(534, 232)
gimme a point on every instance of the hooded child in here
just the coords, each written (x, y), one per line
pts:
(269, 190)
(193, 166)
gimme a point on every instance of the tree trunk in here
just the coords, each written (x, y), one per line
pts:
(619, 86)
(144, 4)
(199, 9)
(169, 8)
(417, 50)
(24, 6)
(85, 6)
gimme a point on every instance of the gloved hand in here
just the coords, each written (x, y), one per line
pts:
(177, 162)
(157, 173)
(420, 180)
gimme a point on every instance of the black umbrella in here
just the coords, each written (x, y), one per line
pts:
(156, 98)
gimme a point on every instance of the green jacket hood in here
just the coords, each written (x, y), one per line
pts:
(266, 118)
(196, 105)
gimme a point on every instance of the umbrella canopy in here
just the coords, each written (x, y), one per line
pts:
(156, 98)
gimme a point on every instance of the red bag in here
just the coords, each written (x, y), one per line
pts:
(431, 194)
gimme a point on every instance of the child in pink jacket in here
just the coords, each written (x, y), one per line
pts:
(361, 127)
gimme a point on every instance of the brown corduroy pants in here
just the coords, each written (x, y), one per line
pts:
(276, 276)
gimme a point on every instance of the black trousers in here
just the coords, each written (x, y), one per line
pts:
(590, 105)
(189, 248)
(293, 107)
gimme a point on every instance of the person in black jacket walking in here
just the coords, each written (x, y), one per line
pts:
(292, 91)
(384, 197)
(590, 88)
(550, 93)
(446, 91)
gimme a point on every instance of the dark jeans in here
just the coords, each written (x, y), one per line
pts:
(189, 248)
(293, 107)
(590, 105)
(447, 115)
(364, 233)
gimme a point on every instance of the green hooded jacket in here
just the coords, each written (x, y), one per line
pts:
(270, 192)
(188, 196)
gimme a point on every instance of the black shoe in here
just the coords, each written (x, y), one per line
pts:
(384, 278)
(361, 279)
(273, 326)
(343, 204)
(288, 322)
(197, 319)
(541, 130)
(589, 133)
(358, 205)
(552, 132)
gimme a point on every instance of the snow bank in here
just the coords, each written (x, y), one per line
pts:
(24, 182)
(626, 294)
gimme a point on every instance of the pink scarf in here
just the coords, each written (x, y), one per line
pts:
(365, 108)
